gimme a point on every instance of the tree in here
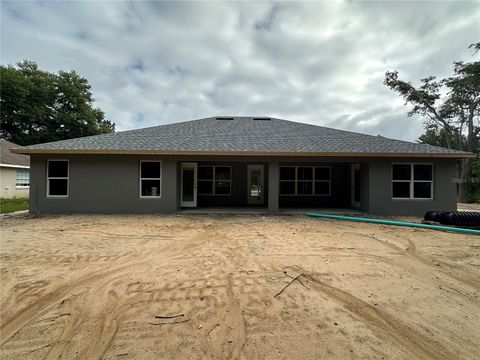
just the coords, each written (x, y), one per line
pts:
(39, 106)
(451, 108)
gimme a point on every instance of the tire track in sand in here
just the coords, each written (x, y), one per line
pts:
(454, 273)
(415, 342)
(42, 305)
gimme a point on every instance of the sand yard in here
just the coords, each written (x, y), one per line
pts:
(203, 287)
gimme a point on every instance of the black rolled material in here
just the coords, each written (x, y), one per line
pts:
(436, 216)
(462, 218)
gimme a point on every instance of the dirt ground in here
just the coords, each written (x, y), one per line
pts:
(90, 287)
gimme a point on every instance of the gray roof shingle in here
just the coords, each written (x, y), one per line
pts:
(242, 134)
(9, 158)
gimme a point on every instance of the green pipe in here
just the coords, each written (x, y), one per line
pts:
(397, 223)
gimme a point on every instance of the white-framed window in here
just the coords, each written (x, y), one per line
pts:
(57, 178)
(412, 181)
(305, 180)
(22, 178)
(150, 179)
(215, 180)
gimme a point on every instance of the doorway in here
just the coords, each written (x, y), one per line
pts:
(188, 185)
(255, 185)
(355, 185)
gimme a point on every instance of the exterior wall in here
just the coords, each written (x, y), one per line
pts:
(102, 184)
(110, 184)
(7, 184)
(380, 189)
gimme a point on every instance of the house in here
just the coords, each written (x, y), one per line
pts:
(240, 161)
(14, 171)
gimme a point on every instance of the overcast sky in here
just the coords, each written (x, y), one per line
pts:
(152, 63)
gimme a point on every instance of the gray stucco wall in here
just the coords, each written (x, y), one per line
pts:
(102, 184)
(380, 188)
(110, 184)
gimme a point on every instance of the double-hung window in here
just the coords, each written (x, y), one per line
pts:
(412, 181)
(22, 178)
(150, 178)
(57, 178)
(305, 180)
(214, 180)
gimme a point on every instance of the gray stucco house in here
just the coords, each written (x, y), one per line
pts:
(240, 161)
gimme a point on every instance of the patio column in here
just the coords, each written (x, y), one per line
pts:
(273, 185)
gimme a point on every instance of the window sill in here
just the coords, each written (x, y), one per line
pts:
(22, 187)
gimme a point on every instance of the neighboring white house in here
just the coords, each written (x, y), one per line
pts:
(14, 172)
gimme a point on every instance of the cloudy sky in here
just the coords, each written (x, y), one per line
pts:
(323, 63)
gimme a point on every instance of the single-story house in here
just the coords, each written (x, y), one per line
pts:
(14, 171)
(239, 162)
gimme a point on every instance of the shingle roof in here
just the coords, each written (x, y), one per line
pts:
(6, 157)
(241, 135)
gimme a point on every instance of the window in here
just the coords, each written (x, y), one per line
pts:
(412, 181)
(150, 178)
(215, 180)
(305, 180)
(22, 179)
(57, 178)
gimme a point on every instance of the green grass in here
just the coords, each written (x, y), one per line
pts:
(12, 205)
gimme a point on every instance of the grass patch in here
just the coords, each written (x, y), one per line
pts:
(12, 205)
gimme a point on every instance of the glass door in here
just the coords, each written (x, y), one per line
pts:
(188, 185)
(255, 185)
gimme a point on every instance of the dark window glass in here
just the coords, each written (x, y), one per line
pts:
(305, 188)
(222, 187)
(150, 170)
(205, 173)
(322, 188)
(401, 172)
(305, 173)
(205, 187)
(422, 190)
(287, 173)
(322, 173)
(401, 189)
(287, 187)
(422, 172)
(150, 187)
(58, 187)
(58, 169)
(222, 173)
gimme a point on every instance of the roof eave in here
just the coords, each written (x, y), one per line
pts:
(463, 155)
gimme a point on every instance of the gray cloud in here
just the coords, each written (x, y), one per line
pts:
(319, 62)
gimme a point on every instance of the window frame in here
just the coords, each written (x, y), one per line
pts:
(412, 181)
(213, 180)
(58, 178)
(159, 196)
(296, 181)
(16, 179)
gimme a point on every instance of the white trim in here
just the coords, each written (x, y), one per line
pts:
(412, 181)
(20, 178)
(58, 178)
(159, 196)
(190, 166)
(313, 181)
(15, 166)
(213, 180)
(250, 199)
